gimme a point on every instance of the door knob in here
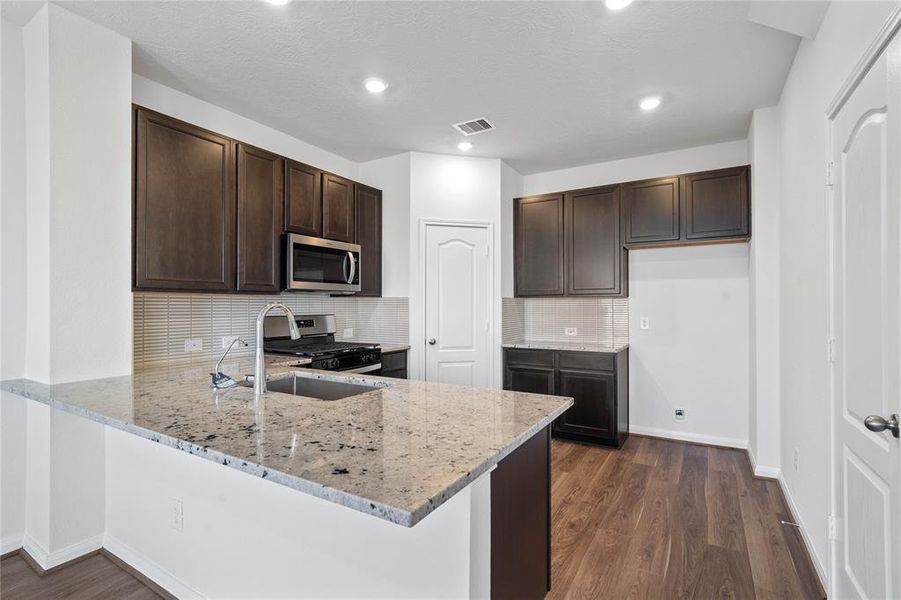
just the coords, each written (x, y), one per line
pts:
(432, 341)
(877, 424)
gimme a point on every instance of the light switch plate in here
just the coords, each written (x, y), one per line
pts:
(571, 331)
(644, 323)
(194, 345)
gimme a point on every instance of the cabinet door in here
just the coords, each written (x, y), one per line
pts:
(184, 209)
(538, 245)
(528, 378)
(303, 199)
(592, 413)
(338, 208)
(369, 237)
(261, 192)
(594, 248)
(651, 210)
(716, 204)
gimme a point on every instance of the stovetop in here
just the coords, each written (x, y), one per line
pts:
(315, 347)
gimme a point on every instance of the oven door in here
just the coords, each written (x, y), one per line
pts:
(317, 264)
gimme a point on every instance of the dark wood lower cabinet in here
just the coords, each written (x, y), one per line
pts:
(521, 522)
(598, 383)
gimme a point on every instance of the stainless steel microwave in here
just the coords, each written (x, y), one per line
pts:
(320, 265)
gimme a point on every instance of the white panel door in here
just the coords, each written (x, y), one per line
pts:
(866, 146)
(458, 305)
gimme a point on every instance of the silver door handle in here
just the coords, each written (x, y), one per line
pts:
(353, 266)
(432, 341)
(878, 424)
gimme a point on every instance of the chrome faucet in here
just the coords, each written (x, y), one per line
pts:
(222, 381)
(259, 365)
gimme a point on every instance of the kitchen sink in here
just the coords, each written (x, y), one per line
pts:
(323, 389)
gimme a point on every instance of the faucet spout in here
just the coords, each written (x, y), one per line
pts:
(259, 366)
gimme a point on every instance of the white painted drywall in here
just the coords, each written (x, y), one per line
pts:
(156, 96)
(511, 187)
(664, 371)
(392, 176)
(244, 537)
(13, 283)
(454, 188)
(763, 287)
(820, 67)
(695, 353)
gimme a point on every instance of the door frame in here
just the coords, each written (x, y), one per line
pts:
(488, 226)
(872, 54)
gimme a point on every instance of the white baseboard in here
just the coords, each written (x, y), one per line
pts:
(762, 470)
(48, 560)
(814, 557)
(11, 542)
(150, 569)
(689, 437)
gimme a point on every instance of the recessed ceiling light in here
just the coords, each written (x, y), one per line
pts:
(278, 2)
(464, 146)
(618, 4)
(374, 85)
(649, 103)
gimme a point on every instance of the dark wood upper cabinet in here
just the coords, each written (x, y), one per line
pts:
(538, 245)
(596, 261)
(369, 237)
(338, 222)
(184, 206)
(261, 192)
(303, 199)
(716, 204)
(651, 210)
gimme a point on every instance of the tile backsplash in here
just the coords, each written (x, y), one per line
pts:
(163, 322)
(596, 320)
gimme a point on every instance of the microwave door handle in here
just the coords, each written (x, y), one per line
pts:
(344, 266)
(353, 266)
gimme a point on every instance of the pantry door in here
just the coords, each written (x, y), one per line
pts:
(458, 304)
(866, 332)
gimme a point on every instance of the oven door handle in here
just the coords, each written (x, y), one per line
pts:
(366, 369)
(353, 266)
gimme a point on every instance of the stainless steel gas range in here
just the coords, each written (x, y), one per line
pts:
(317, 342)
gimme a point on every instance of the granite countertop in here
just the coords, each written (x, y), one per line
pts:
(398, 451)
(577, 346)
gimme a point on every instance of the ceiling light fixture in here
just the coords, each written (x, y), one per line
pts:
(465, 146)
(278, 2)
(618, 4)
(374, 85)
(649, 103)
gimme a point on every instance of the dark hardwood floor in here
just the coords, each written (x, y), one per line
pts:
(666, 519)
(94, 577)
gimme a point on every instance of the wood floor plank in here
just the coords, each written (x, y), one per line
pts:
(725, 528)
(646, 451)
(669, 460)
(723, 574)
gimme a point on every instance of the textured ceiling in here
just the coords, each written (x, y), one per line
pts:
(560, 80)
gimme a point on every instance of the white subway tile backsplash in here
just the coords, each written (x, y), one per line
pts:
(162, 323)
(596, 320)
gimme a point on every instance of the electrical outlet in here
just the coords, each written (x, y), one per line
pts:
(348, 332)
(796, 459)
(176, 514)
(679, 414)
(571, 331)
(194, 345)
(644, 323)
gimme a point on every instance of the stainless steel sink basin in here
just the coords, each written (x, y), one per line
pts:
(323, 389)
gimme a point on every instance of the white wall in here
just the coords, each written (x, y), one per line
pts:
(764, 364)
(511, 187)
(392, 176)
(155, 96)
(665, 372)
(695, 353)
(452, 188)
(820, 67)
(13, 283)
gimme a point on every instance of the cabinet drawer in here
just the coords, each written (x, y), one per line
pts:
(541, 358)
(394, 361)
(587, 361)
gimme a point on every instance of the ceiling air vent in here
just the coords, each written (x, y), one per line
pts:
(473, 127)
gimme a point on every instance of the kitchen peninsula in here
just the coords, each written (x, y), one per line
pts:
(398, 453)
